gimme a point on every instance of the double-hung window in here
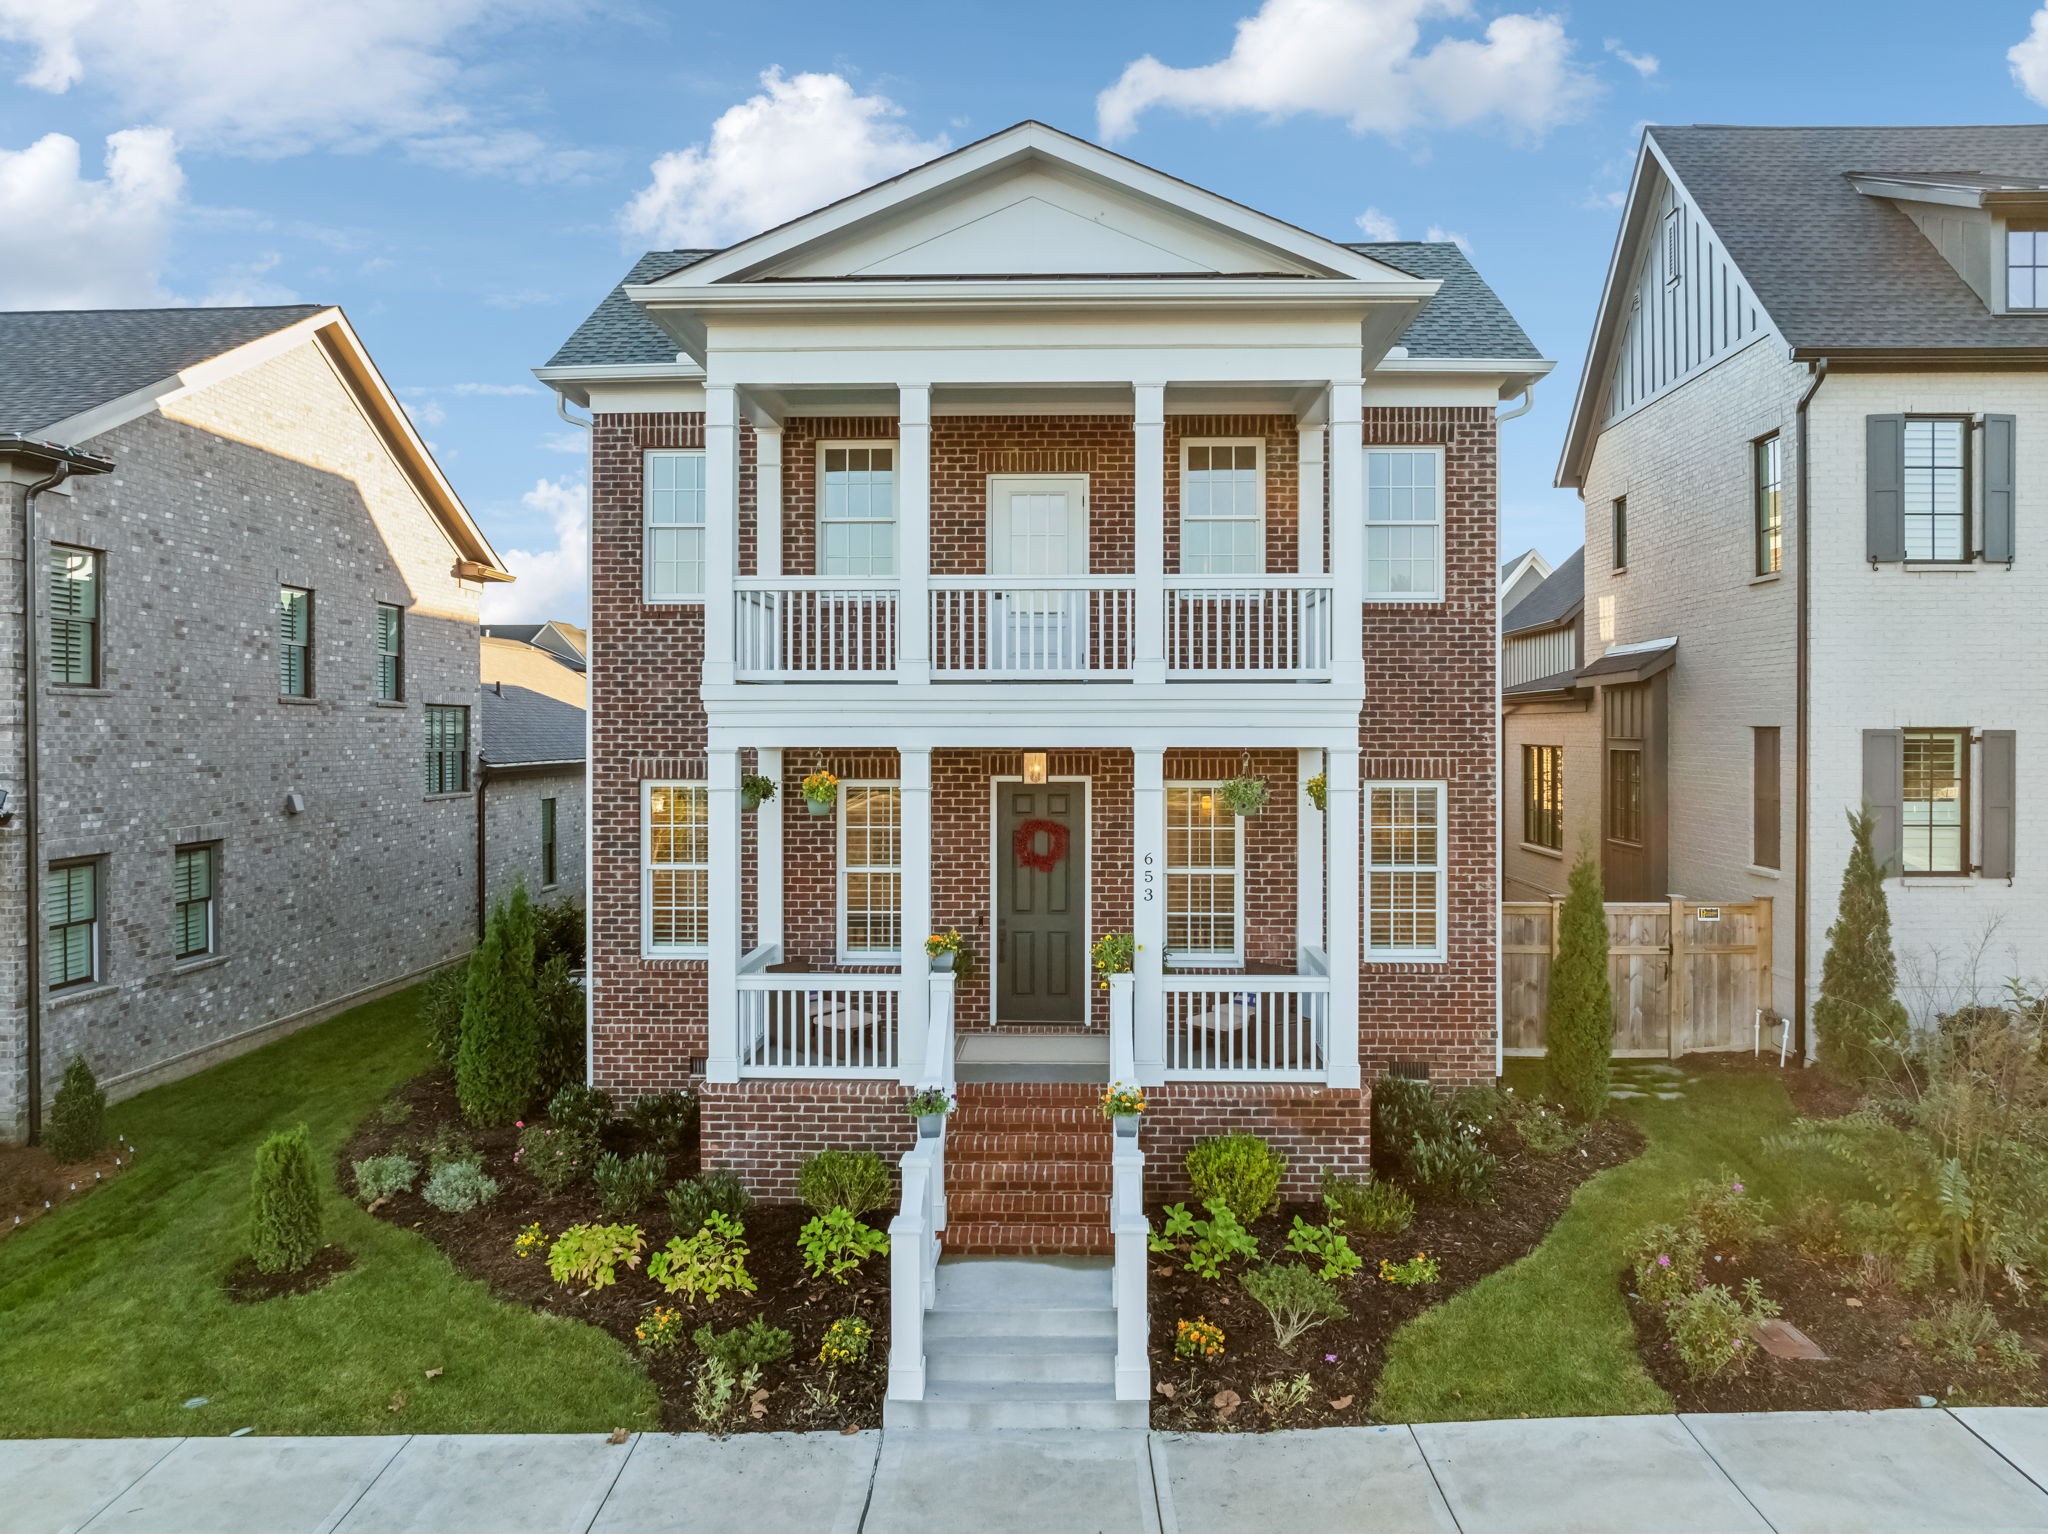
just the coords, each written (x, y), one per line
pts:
(857, 509)
(1934, 829)
(1204, 883)
(870, 873)
(447, 748)
(1406, 866)
(675, 869)
(1543, 796)
(1404, 524)
(74, 616)
(674, 516)
(294, 642)
(71, 918)
(1768, 511)
(194, 872)
(2026, 268)
(1222, 508)
(1625, 794)
(390, 652)
(547, 844)
(1937, 488)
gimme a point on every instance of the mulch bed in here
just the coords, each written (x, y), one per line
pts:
(480, 1244)
(33, 1182)
(1469, 1241)
(246, 1284)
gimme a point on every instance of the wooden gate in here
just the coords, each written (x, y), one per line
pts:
(1688, 976)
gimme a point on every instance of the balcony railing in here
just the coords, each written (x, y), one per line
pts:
(795, 627)
(819, 1025)
(1261, 626)
(1044, 628)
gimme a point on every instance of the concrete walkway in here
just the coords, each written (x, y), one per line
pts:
(1902, 1472)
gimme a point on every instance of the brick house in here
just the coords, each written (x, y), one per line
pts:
(1033, 495)
(251, 681)
(531, 760)
(1811, 440)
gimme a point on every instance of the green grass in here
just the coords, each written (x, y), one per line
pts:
(1550, 1335)
(111, 1313)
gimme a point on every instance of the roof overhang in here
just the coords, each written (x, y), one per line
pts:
(1631, 662)
(1516, 374)
(1955, 191)
(1564, 687)
(573, 382)
(1563, 620)
(37, 459)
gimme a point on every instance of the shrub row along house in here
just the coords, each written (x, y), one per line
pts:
(249, 689)
(1810, 440)
(1008, 523)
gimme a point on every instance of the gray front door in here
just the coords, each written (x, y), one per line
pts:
(1041, 972)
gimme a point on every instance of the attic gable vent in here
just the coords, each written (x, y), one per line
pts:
(1674, 245)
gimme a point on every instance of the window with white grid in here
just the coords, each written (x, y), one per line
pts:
(1405, 863)
(870, 873)
(1404, 524)
(857, 509)
(675, 869)
(1204, 884)
(674, 514)
(1222, 508)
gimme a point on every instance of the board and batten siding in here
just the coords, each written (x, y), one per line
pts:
(1531, 657)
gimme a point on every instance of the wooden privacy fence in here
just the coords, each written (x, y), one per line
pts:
(1687, 975)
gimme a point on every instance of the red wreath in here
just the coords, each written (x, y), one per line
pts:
(1025, 844)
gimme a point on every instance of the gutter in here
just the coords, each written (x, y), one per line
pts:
(1803, 713)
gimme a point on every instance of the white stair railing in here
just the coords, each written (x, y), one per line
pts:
(914, 1233)
(1128, 1280)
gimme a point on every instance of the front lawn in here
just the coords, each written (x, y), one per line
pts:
(112, 1315)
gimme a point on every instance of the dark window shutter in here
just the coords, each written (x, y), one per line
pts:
(2001, 784)
(1999, 481)
(1884, 788)
(1884, 473)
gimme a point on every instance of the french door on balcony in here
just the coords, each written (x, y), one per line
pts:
(1038, 527)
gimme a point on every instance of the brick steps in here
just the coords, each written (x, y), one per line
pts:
(1007, 1176)
(1027, 1171)
(989, 1238)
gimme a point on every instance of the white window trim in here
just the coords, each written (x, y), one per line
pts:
(1177, 957)
(1440, 951)
(649, 949)
(865, 957)
(1420, 598)
(819, 523)
(1258, 444)
(647, 527)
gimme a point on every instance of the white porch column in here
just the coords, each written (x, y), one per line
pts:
(1347, 532)
(914, 525)
(1148, 430)
(1148, 915)
(721, 528)
(914, 783)
(722, 985)
(768, 851)
(1308, 855)
(1312, 506)
(768, 499)
(1342, 798)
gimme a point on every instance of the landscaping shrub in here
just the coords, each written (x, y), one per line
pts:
(1411, 1272)
(718, 1394)
(585, 1110)
(497, 1065)
(459, 1187)
(284, 1203)
(441, 1011)
(1578, 1023)
(78, 1118)
(1372, 1207)
(703, 1266)
(1725, 1214)
(753, 1346)
(1210, 1243)
(1710, 1327)
(857, 1181)
(385, 1176)
(450, 1147)
(1242, 1171)
(666, 1118)
(591, 1255)
(558, 933)
(1858, 1021)
(1966, 1333)
(626, 1183)
(1196, 1340)
(559, 1007)
(660, 1328)
(1325, 1246)
(835, 1244)
(1295, 1298)
(846, 1343)
(1459, 1170)
(695, 1199)
(1540, 1127)
(555, 1157)
(1419, 1133)
(1666, 1262)
(1814, 1225)
(1280, 1399)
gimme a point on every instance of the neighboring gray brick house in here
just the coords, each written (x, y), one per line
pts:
(255, 677)
(532, 745)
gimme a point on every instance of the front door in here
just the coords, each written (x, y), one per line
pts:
(1038, 526)
(1041, 857)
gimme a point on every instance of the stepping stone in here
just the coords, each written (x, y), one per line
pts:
(1625, 1093)
(1781, 1339)
(1670, 1097)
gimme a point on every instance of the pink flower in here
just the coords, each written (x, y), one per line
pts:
(1738, 1187)
(1329, 1358)
(1663, 1262)
(519, 1123)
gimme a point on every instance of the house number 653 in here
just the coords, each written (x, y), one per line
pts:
(1148, 877)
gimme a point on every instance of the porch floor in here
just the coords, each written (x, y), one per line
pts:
(1065, 1055)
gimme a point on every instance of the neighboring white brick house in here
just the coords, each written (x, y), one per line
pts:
(1550, 737)
(256, 679)
(1756, 269)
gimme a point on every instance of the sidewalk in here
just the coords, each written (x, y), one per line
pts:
(1901, 1472)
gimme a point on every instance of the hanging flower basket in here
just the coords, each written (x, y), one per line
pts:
(821, 792)
(755, 791)
(1243, 795)
(1319, 791)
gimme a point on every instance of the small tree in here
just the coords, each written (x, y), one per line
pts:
(497, 1064)
(284, 1203)
(1578, 1027)
(1858, 1012)
(78, 1118)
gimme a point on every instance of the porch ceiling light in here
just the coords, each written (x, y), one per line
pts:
(1034, 767)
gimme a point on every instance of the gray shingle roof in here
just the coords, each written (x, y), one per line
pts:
(1838, 270)
(618, 330)
(1562, 593)
(521, 726)
(55, 363)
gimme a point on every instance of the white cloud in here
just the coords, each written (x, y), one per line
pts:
(492, 388)
(573, 441)
(1375, 225)
(804, 141)
(425, 413)
(2029, 60)
(71, 243)
(1437, 234)
(550, 583)
(1644, 64)
(1362, 61)
(517, 298)
(509, 152)
(246, 284)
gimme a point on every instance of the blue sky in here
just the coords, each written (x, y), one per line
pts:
(468, 177)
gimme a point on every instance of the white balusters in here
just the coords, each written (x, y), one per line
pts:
(794, 628)
(819, 1025)
(1247, 1027)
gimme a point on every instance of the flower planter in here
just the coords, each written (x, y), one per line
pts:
(930, 1125)
(749, 802)
(942, 963)
(1126, 1126)
(818, 806)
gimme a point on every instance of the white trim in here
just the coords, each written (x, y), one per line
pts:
(1439, 951)
(649, 949)
(1258, 518)
(647, 527)
(866, 957)
(995, 889)
(1368, 526)
(1181, 960)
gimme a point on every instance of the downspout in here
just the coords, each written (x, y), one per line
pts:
(1802, 712)
(31, 791)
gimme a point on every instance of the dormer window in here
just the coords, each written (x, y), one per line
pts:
(2026, 268)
